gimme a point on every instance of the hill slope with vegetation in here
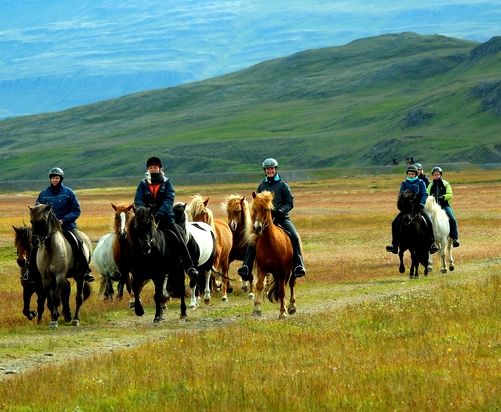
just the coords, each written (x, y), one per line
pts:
(434, 98)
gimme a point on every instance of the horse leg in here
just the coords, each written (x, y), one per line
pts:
(401, 267)
(55, 291)
(281, 296)
(443, 268)
(207, 296)
(194, 299)
(449, 250)
(78, 301)
(165, 294)
(252, 292)
(41, 299)
(259, 293)
(159, 300)
(136, 289)
(226, 283)
(430, 263)
(27, 293)
(292, 303)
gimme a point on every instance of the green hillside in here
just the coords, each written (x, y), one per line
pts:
(435, 98)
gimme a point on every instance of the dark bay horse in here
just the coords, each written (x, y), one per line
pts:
(239, 219)
(154, 255)
(22, 242)
(110, 254)
(224, 239)
(56, 264)
(412, 235)
(274, 256)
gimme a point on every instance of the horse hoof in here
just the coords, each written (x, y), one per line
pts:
(131, 305)
(256, 313)
(139, 311)
(53, 324)
(158, 319)
(251, 296)
(75, 322)
(185, 318)
(245, 288)
(291, 310)
(192, 306)
(451, 268)
(229, 289)
(164, 307)
(282, 316)
(224, 299)
(206, 301)
(430, 269)
(444, 271)
(401, 270)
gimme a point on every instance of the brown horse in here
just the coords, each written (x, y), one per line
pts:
(110, 255)
(274, 256)
(199, 212)
(237, 209)
(56, 263)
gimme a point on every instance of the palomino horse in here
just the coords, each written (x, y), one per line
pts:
(237, 209)
(56, 264)
(154, 256)
(111, 252)
(412, 235)
(274, 256)
(201, 213)
(441, 231)
(200, 240)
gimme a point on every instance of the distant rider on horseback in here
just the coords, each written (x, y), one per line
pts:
(441, 190)
(416, 186)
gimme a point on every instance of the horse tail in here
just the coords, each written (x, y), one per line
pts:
(87, 290)
(271, 289)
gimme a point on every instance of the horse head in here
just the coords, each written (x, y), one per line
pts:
(237, 209)
(22, 241)
(123, 214)
(180, 215)
(142, 228)
(44, 223)
(198, 209)
(261, 207)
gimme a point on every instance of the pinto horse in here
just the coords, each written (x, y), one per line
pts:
(412, 234)
(22, 242)
(154, 256)
(239, 219)
(274, 256)
(110, 255)
(56, 264)
(441, 231)
(200, 240)
(224, 238)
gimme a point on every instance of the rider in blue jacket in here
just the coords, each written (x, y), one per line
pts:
(67, 209)
(283, 202)
(416, 186)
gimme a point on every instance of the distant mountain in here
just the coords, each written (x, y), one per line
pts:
(435, 98)
(57, 54)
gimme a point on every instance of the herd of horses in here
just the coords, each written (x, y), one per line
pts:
(137, 252)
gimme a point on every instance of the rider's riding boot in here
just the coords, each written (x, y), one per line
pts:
(244, 271)
(24, 276)
(455, 243)
(434, 248)
(88, 277)
(299, 271)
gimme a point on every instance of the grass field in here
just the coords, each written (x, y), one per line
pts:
(364, 338)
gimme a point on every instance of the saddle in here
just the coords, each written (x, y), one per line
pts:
(76, 245)
(283, 228)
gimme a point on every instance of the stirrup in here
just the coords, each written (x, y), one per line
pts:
(88, 277)
(24, 276)
(300, 271)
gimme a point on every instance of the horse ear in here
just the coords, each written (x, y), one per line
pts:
(15, 228)
(254, 195)
(131, 207)
(113, 206)
(206, 201)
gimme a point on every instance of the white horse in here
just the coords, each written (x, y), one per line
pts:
(441, 230)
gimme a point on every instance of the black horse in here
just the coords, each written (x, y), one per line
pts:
(154, 255)
(412, 234)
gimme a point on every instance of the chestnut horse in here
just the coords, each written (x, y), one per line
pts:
(237, 209)
(274, 256)
(154, 256)
(441, 230)
(412, 235)
(111, 252)
(199, 212)
(56, 263)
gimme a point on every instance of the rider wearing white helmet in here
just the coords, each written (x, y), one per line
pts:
(283, 202)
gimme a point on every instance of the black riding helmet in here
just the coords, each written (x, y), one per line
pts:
(270, 162)
(56, 171)
(436, 169)
(412, 168)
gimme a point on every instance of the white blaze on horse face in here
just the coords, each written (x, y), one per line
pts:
(122, 222)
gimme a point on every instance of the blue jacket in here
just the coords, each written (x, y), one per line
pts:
(283, 199)
(64, 204)
(417, 187)
(164, 201)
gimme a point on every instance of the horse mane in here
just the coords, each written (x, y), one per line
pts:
(180, 210)
(37, 215)
(238, 204)
(404, 198)
(23, 236)
(263, 200)
(198, 207)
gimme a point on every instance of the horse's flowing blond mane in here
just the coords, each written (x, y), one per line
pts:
(236, 204)
(262, 201)
(197, 209)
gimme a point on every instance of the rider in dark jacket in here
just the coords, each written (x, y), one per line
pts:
(416, 186)
(421, 175)
(283, 202)
(156, 191)
(441, 190)
(67, 209)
